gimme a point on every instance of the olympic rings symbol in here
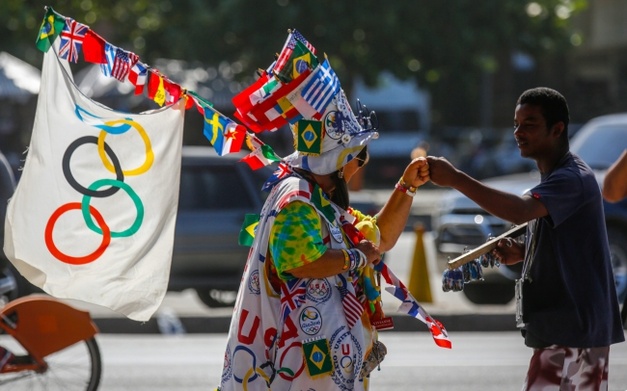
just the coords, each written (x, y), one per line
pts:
(106, 236)
(111, 162)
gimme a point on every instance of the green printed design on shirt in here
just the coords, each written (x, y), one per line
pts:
(295, 239)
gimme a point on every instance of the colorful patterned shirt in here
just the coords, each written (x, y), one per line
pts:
(295, 238)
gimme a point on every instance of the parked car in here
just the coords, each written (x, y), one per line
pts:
(12, 284)
(216, 192)
(461, 224)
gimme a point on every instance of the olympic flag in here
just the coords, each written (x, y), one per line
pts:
(94, 212)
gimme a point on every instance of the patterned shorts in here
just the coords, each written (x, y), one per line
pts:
(568, 369)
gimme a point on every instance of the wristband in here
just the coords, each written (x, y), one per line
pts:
(358, 259)
(404, 188)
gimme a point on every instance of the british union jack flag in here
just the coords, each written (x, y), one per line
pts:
(72, 38)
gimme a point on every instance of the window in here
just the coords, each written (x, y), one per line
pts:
(212, 187)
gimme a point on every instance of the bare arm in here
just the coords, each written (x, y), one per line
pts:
(511, 207)
(615, 182)
(332, 262)
(392, 218)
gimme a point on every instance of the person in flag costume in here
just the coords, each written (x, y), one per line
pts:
(306, 315)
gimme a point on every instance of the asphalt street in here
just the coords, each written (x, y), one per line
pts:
(451, 308)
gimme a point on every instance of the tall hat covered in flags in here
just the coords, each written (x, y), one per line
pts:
(300, 91)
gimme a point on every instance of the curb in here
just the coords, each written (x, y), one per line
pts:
(402, 323)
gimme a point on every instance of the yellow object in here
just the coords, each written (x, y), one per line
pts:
(419, 285)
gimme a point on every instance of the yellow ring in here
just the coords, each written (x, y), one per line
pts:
(150, 157)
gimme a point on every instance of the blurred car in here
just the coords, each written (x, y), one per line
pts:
(216, 192)
(461, 224)
(9, 278)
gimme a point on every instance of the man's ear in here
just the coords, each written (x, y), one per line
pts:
(558, 129)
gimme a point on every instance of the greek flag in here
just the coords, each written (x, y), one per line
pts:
(322, 87)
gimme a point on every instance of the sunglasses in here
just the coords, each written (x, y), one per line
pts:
(362, 161)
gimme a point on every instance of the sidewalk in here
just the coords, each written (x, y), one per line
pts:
(451, 308)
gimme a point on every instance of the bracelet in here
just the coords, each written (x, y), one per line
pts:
(347, 261)
(404, 188)
(358, 259)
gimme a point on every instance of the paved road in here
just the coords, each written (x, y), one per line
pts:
(478, 361)
(452, 308)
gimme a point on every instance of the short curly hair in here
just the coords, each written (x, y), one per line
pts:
(553, 105)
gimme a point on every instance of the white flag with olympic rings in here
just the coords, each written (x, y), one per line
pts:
(94, 212)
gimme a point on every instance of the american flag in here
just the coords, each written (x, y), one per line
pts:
(322, 87)
(350, 303)
(72, 38)
(123, 63)
(292, 295)
(288, 48)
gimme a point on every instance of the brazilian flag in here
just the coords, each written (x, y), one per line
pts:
(317, 357)
(247, 234)
(51, 27)
(309, 136)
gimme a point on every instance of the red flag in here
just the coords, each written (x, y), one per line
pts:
(94, 48)
(138, 76)
(242, 100)
(172, 91)
(156, 91)
(275, 111)
(248, 122)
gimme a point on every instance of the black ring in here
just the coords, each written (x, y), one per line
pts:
(74, 183)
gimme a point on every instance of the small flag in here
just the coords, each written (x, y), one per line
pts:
(293, 294)
(94, 48)
(276, 110)
(122, 63)
(282, 172)
(156, 92)
(247, 233)
(308, 136)
(317, 356)
(72, 38)
(234, 135)
(322, 87)
(293, 37)
(172, 91)
(350, 303)
(411, 307)
(109, 54)
(300, 60)
(262, 155)
(51, 27)
(138, 76)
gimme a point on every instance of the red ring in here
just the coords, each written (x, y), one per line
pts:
(299, 371)
(106, 235)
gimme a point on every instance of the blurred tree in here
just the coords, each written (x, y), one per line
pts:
(447, 46)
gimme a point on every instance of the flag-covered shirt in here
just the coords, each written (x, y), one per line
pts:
(298, 333)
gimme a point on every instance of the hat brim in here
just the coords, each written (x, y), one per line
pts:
(333, 160)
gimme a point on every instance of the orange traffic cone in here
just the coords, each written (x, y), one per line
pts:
(419, 285)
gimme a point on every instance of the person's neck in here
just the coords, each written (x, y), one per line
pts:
(548, 163)
(325, 182)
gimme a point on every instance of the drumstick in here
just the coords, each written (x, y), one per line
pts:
(486, 247)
